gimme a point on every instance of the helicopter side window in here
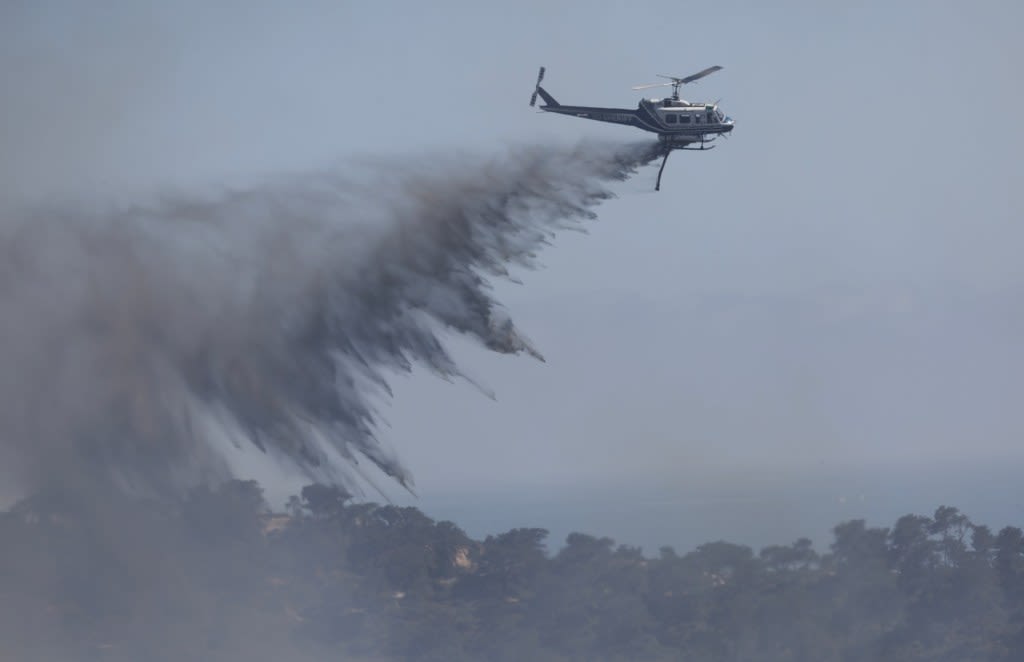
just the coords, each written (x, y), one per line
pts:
(696, 119)
(671, 119)
(685, 119)
(711, 118)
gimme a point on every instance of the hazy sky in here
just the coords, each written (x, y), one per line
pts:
(835, 290)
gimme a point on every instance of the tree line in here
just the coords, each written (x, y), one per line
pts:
(220, 576)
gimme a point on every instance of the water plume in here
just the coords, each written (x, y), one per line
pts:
(139, 341)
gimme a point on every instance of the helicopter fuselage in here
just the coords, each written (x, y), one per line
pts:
(674, 120)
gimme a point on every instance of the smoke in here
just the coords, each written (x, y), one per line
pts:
(140, 342)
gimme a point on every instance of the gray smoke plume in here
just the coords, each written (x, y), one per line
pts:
(138, 342)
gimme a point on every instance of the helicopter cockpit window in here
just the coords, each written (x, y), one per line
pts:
(711, 118)
(671, 119)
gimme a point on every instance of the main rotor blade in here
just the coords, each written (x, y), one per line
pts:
(691, 78)
(644, 87)
(701, 74)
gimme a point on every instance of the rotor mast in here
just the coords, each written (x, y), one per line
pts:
(676, 84)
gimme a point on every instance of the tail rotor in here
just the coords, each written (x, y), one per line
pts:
(540, 77)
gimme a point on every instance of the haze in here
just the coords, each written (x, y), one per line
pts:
(819, 319)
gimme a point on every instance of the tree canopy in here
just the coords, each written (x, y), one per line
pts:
(219, 575)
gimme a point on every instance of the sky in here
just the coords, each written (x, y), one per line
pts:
(821, 318)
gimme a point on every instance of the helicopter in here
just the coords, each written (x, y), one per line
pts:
(679, 123)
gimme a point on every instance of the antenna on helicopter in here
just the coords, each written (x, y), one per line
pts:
(678, 82)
